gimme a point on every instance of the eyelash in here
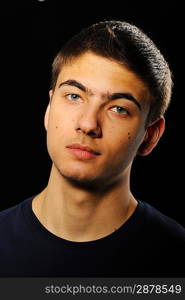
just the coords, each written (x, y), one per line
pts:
(71, 95)
(76, 95)
(122, 109)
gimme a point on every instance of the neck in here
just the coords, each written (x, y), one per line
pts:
(77, 214)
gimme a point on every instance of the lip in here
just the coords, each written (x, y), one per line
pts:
(83, 147)
(82, 151)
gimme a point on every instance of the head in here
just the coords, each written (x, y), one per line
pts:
(110, 89)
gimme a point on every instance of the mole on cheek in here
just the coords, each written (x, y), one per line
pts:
(56, 126)
(111, 129)
(129, 136)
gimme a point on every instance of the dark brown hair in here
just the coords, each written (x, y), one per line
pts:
(126, 44)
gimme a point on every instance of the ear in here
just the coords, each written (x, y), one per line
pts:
(46, 117)
(153, 134)
(50, 95)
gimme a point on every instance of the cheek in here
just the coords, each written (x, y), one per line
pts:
(60, 121)
(118, 143)
(125, 134)
(118, 136)
(59, 126)
(122, 143)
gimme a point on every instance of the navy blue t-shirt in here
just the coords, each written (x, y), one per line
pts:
(148, 244)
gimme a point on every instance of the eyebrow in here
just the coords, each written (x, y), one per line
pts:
(113, 96)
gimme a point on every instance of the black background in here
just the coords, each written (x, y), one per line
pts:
(31, 34)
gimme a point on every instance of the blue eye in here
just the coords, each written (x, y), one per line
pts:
(120, 110)
(73, 97)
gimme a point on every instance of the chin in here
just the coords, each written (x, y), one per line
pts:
(80, 178)
(86, 184)
(82, 181)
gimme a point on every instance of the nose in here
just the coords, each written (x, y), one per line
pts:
(89, 123)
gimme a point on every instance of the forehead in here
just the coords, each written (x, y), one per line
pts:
(103, 75)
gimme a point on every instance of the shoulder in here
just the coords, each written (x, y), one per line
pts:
(9, 212)
(13, 216)
(161, 224)
(14, 229)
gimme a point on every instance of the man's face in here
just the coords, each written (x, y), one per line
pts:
(100, 104)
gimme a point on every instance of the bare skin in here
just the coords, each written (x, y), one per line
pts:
(87, 199)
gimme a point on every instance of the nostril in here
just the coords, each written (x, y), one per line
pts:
(92, 133)
(95, 133)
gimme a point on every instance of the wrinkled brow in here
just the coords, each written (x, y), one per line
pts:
(111, 97)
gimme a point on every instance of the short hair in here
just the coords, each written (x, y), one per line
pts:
(130, 46)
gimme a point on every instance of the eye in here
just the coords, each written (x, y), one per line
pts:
(120, 110)
(73, 97)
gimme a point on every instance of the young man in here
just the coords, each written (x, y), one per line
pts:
(110, 89)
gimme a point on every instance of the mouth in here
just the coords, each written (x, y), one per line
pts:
(82, 151)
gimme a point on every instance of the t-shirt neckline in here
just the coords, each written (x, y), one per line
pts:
(40, 230)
